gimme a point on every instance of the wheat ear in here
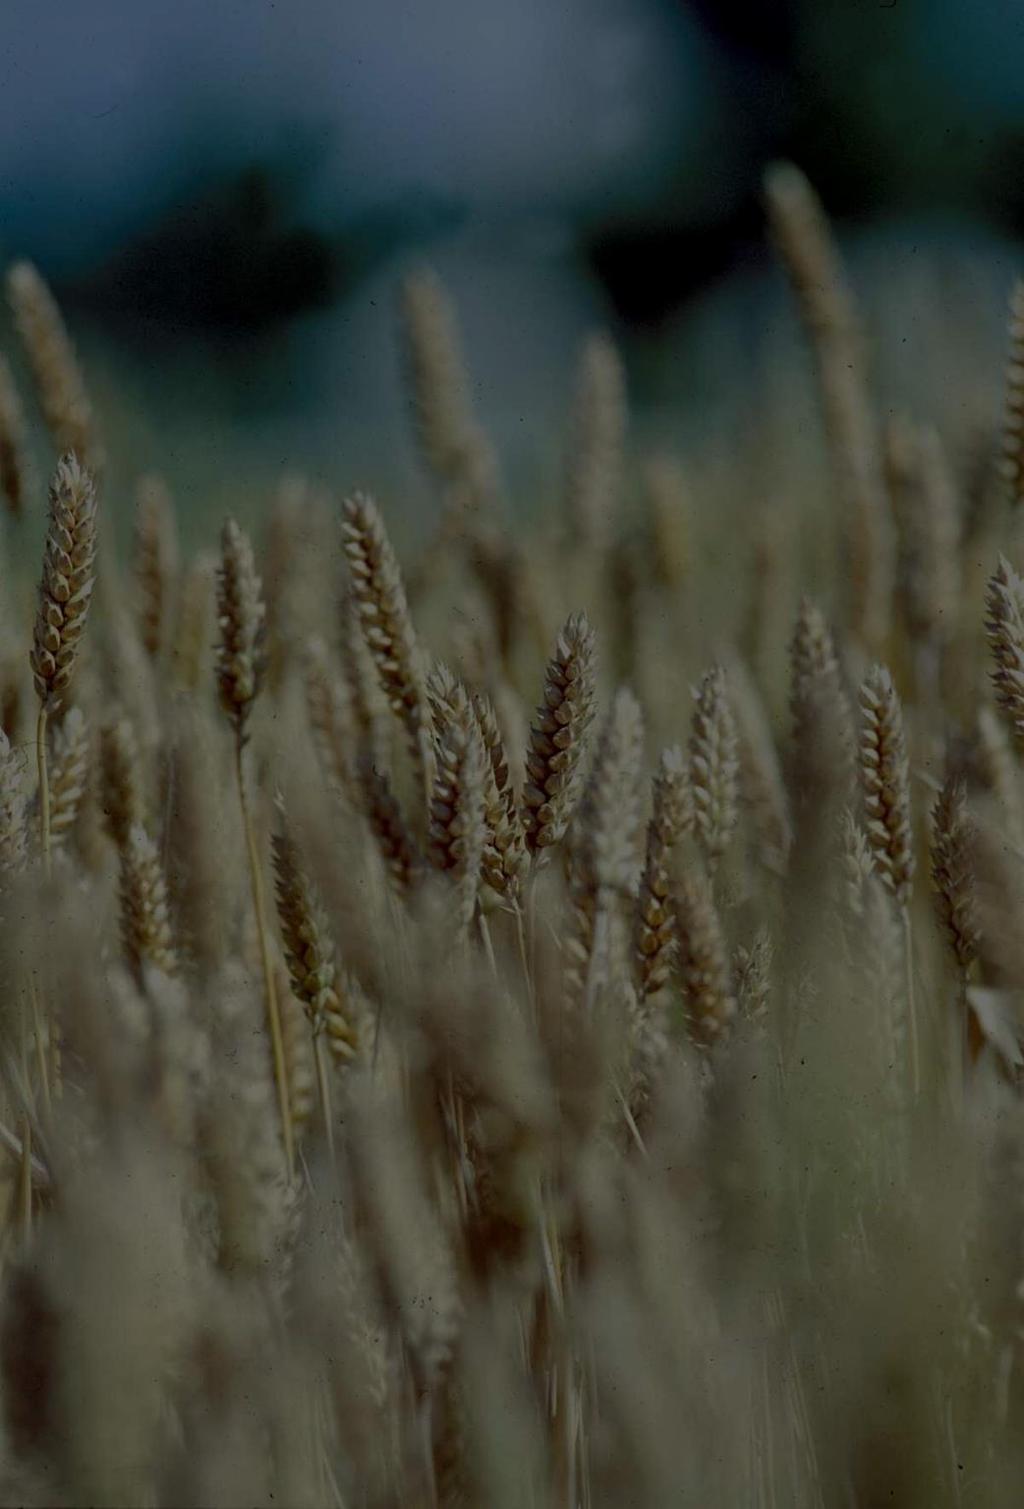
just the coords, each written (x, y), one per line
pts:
(69, 774)
(598, 435)
(558, 736)
(120, 794)
(953, 835)
(714, 767)
(155, 562)
(702, 960)
(604, 857)
(1013, 401)
(457, 828)
(671, 819)
(65, 591)
(815, 271)
(55, 370)
(240, 670)
(309, 953)
(1004, 627)
(16, 479)
(885, 784)
(145, 920)
(504, 857)
(379, 596)
(13, 838)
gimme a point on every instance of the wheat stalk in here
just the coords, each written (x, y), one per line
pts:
(240, 669)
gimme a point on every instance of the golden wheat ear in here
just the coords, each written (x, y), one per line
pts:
(812, 263)
(65, 593)
(655, 926)
(595, 461)
(155, 563)
(558, 735)
(1013, 401)
(145, 919)
(379, 596)
(241, 661)
(56, 373)
(714, 767)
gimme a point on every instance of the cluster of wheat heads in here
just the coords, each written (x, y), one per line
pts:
(480, 1074)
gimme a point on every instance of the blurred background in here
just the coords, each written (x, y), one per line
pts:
(225, 193)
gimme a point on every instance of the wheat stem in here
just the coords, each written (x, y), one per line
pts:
(270, 987)
(44, 787)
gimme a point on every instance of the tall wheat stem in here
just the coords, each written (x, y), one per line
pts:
(912, 1029)
(324, 1092)
(270, 988)
(44, 787)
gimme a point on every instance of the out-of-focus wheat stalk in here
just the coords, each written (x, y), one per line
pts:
(240, 670)
(812, 262)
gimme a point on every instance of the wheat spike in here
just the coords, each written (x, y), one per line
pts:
(952, 864)
(608, 819)
(702, 961)
(330, 717)
(145, 921)
(752, 973)
(384, 816)
(155, 562)
(17, 482)
(69, 573)
(504, 858)
(241, 614)
(885, 783)
(714, 766)
(386, 624)
(69, 774)
(193, 629)
(1004, 627)
(457, 829)
(595, 454)
(308, 948)
(814, 268)
(436, 374)
(671, 820)
(55, 370)
(13, 836)
(558, 735)
(120, 793)
(1013, 400)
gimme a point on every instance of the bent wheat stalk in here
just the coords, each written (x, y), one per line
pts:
(240, 670)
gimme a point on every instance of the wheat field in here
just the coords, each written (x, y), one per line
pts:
(531, 1023)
